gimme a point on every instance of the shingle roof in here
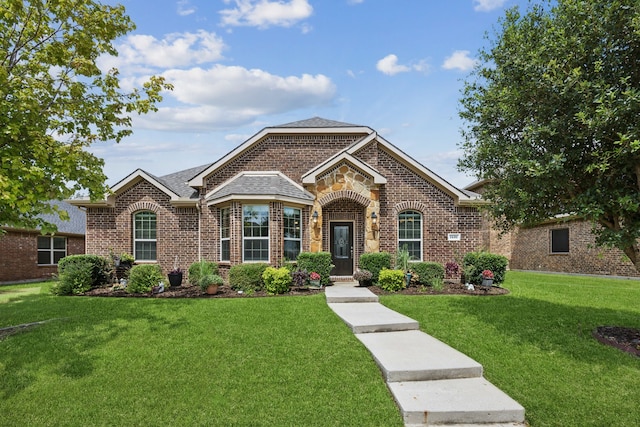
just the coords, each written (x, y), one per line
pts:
(267, 184)
(177, 181)
(77, 223)
(316, 122)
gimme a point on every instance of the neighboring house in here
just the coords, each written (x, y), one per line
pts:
(564, 244)
(27, 255)
(313, 185)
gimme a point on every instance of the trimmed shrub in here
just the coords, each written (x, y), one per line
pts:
(276, 280)
(428, 272)
(99, 267)
(76, 278)
(375, 263)
(247, 277)
(142, 278)
(474, 263)
(320, 262)
(391, 280)
(199, 269)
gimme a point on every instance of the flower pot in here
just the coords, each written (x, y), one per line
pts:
(315, 284)
(408, 277)
(175, 279)
(212, 289)
(487, 283)
(364, 283)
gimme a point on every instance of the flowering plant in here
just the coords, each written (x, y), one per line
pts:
(314, 276)
(487, 274)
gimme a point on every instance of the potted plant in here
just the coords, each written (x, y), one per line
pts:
(299, 278)
(363, 277)
(209, 283)
(126, 260)
(175, 275)
(314, 280)
(487, 278)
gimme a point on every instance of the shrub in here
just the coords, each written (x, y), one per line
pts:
(76, 278)
(142, 278)
(299, 277)
(99, 267)
(375, 262)
(428, 272)
(319, 262)
(199, 269)
(474, 263)
(209, 279)
(363, 277)
(276, 280)
(391, 280)
(247, 277)
(452, 269)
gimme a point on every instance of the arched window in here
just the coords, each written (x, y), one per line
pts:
(410, 233)
(144, 236)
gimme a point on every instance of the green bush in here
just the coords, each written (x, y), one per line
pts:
(375, 263)
(276, 280)
(142, 278)
(247, 277)
(320, 262)
(76, 278)
(210, 279)
(428, 272)
(474, 263)
(99, 267)
(199, 269)
(391, 280)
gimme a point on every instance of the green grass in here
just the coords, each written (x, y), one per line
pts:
(156, 362)
(536, 344)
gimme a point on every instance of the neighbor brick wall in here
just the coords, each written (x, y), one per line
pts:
(531, 251)
(19, 256)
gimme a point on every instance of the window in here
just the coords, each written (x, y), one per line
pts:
(255, 233)
(51, 249)
(410, 233)
(560, 241)
(144, 236)
(292, 233)
(225, 234)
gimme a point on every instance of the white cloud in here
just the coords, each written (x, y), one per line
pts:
(184, 8)
(355, 1)
(265, 13)
(487, 5)
(174, 50)
(389, 66)
(459, 60)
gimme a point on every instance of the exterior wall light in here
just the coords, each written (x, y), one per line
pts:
(374, 218)
(314, 217)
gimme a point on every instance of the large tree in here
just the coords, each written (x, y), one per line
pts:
(552, 118)
(55, 102)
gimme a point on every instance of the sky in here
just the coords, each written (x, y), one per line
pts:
(237, 66)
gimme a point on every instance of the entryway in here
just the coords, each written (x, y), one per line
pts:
(341, 247)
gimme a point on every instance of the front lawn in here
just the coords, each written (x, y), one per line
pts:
(536, 344)
(278, 361)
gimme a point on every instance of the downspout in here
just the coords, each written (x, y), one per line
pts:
(199, 231)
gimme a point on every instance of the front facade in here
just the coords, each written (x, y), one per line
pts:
(314, 185)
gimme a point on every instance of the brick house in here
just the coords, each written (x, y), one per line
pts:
(564, 245)
(313, 185)
(27, 255)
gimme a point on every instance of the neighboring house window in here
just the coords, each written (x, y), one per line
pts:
(410, 233)
(144, 236)
(255, 233)
(292, 233)
(225, 234)
(560, 241)
(51, 249)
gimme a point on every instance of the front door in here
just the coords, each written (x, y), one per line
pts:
(342, 248)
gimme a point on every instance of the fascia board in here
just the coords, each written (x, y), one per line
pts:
(260, 198)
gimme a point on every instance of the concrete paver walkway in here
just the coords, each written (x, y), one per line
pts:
(432, 383)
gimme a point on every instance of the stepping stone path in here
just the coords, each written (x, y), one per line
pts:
(432, 383)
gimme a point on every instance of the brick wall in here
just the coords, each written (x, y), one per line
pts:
(19, 256)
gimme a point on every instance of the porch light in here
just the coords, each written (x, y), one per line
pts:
(315, 217)
(374, 218)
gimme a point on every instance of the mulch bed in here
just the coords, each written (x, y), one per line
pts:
(191, 291)
(625, 339)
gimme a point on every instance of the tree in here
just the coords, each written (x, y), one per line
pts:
(552, 118)
(55, 102)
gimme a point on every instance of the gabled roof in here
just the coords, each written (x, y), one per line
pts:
(317, 122)
(343, 157)
(268, 185)
(76, 224)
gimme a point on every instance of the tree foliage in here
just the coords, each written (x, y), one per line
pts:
(55, 102)
(552, 118)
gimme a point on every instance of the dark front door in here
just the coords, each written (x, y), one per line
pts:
(342, 248)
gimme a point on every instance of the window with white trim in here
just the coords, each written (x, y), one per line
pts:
(51, 249)
(410, 233)
(560, 241)
(292, 233)
(255, 233)
(144, 236)
(225, 234)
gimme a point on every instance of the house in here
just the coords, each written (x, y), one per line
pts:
(27, 255)
(564, 244)
(312, 185)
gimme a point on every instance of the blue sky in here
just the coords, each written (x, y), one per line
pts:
(396, 66)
